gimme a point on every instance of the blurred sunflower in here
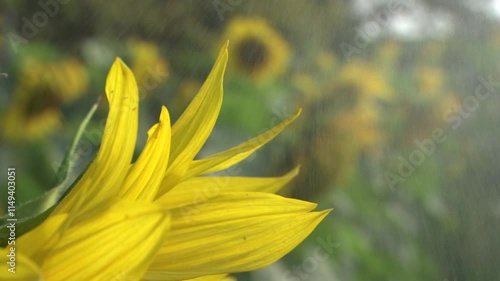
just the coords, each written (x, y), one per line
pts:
(147, 61)
(347, 116)
(430, 81)
(160, 218)
(369, 83)
(260, 51)
(43, 88)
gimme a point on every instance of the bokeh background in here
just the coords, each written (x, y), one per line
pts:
(399, 129)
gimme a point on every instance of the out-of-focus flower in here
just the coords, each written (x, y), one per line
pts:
(444, 105)
(347, 125)
(147, 62)
(43, 88)
(429, 81)
(260, 51)
(370, 83)
(307, 85)
(161, 218)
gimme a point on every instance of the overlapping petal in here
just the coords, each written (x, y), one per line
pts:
(197, 190)
(111, 246)
(217, 277)
(194, 126)
(232, 232)
(228, 158)
(144, 177)
(43, 237)
(24, 269)
(105, 175)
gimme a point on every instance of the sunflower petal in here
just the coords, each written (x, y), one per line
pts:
(218, 277)
(198, 189)
(105, 175)
(23, 269)
(233, 232)
(119, 243)
(144, 177)
(228, 158)
(34, 242)
(194, 126)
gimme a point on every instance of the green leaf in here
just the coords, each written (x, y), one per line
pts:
(34, 212)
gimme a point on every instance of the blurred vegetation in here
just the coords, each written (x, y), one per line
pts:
(399, 130)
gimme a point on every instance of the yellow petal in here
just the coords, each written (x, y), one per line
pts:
(117, 244)
(233, 232)
(194, 126)
(35, 242)
(105, 175)
(198, 189)
(20, 269)
(144, 178)
(218, 277)
(228, 158)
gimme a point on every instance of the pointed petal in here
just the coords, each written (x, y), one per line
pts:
(22, 269)
(194, 126)
(144, 177)
(200, 189)
(106, 173)
(228, 158)
(233, 232)
(117, 244)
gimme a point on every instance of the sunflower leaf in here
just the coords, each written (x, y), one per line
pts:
(33, 212)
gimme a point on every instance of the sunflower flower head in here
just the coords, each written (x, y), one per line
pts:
(161, 217)
(260, 51)
(44, 87)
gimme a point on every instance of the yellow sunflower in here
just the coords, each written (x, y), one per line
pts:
(148, 65)
(260, 51)
(370, 83)
(430, 82)
(162, 218)
(44, 88)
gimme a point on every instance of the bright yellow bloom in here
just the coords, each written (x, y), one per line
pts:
(160, 218)
(260, 51)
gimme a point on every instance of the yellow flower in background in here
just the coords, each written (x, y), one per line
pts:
(363, 124)
(307, 85)
(430, 81)
(161, 217)
(370, 83)
(43, 88)
(325, 60)
(259, 51)
(147, 62)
